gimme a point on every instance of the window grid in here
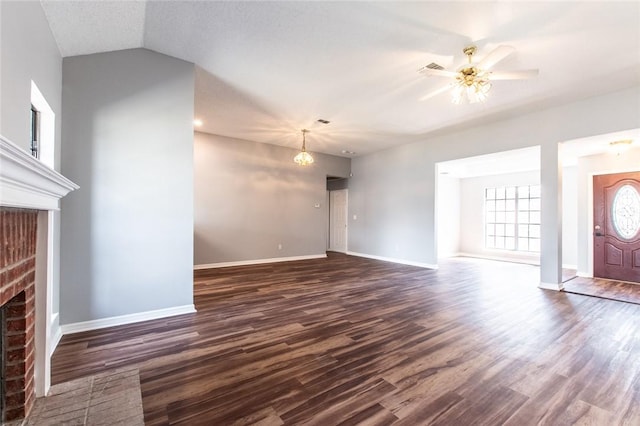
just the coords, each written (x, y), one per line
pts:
(512, 218)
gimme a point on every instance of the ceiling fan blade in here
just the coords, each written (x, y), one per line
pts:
(436, 72)
(435, 92)
(495, 56)
(513, 75)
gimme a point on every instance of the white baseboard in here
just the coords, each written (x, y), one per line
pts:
(449, 255)
(569, 266)
(551, 286)
(258, 261)
(56, 333)
(533, 261)
(584, 274)
(126, 319)
(394, 260)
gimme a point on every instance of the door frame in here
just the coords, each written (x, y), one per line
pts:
(346, 220)
(589, 230)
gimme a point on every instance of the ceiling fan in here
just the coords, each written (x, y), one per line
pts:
(472, 81)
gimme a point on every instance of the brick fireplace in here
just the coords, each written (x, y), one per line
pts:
(30, 194)
(17, 300)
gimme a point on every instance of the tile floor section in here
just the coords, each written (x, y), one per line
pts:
(604, 289)
(111, 398)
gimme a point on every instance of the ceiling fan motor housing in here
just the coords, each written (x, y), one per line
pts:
(468, 75)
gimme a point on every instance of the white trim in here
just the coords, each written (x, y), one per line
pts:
(126, 319)
(394, 260)
(448, 256)
(568, 266)
(258, 261)
(529, 261)
(584, 274)
(551, 286)
(43, 301)
(26, 182)
(56, 333)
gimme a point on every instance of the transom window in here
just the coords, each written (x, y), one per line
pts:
(512, 218)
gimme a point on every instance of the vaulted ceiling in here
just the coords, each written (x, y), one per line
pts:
(265, 70)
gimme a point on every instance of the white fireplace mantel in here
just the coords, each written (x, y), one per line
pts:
(25, 182)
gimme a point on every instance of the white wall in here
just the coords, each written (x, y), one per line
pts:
(472, 214)
(392, 191)
(448, 216)
(28, 52)
(127, 233)
(570, 217)
(251, 197)
(587, 168)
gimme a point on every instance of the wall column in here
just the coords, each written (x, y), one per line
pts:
(551, 221)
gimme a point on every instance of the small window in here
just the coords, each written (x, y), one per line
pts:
(35, 132)
(512, 218)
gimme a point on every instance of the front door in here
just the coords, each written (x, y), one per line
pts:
(616, 220)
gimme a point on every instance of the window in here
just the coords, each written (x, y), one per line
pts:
(35, 132)
(43, 128)
(512, 218)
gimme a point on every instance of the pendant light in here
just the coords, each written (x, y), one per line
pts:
(303, 158)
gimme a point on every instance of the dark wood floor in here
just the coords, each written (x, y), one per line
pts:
(347, 340)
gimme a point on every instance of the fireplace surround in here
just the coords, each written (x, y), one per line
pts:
(29, 194)
(17, 300)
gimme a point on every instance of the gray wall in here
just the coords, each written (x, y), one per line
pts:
(127, 234)
(251, 197)
(29, 52)
(392, 191)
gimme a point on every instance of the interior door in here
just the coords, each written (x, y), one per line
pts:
(338, 220)
(616, 220)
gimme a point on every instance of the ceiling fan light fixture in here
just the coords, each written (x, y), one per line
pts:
(472, 92)
(472, 84)
(303, 158)
(472, 81)
(620, 147)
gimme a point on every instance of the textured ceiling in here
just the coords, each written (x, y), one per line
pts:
(268, 69)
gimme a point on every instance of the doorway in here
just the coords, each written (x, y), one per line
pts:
(338, 210)
(616, 226)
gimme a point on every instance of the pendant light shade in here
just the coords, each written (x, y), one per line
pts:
(303, 158)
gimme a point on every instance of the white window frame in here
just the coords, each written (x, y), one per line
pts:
(512, 218)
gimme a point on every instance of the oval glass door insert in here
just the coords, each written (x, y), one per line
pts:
(625, 212)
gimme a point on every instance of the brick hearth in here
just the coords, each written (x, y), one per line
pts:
(17, 297)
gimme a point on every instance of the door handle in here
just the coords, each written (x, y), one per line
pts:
(599, 234)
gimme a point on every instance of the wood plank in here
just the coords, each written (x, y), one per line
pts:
(347, 340)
